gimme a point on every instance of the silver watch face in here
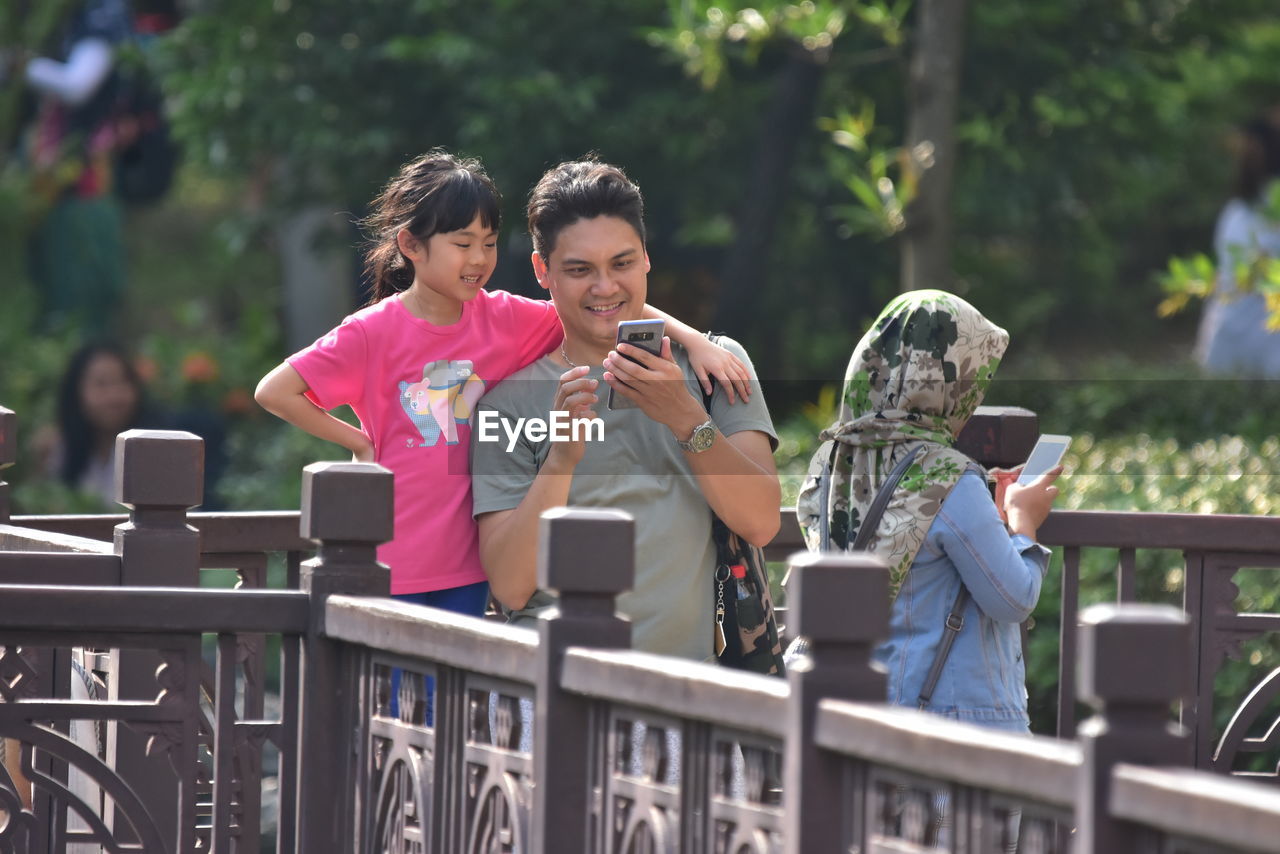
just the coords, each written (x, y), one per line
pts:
(703, 436)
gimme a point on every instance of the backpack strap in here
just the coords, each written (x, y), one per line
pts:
(714, 338)
(824, 496)
(950, 631)
(867, 529)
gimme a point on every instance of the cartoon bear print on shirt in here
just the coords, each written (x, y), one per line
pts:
(442, 400)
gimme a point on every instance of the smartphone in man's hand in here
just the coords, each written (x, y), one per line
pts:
(645, 334)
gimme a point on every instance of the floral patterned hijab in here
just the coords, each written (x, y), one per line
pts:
(915, 377)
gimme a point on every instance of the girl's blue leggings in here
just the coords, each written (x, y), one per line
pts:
(470, 599)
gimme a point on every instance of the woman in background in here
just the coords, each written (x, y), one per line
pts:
(1233, 338)
(99, 397)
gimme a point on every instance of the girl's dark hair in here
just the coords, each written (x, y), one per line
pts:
(582, 189)
(435, 193)
(1259, 158)
(73, 425)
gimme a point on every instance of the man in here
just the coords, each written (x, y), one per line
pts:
(666, 460)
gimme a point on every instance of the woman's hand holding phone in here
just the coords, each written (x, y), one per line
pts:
(1026, 506)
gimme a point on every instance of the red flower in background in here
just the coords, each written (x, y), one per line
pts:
(146, 368)
(199, 367)
(237, 401)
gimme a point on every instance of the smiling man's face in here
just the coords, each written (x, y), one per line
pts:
(597, 275)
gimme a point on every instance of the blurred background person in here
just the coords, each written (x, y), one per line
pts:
(76, 253)
(100, 396)
(1233, 336)
(97, 137)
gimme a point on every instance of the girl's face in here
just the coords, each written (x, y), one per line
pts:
(109, 399)
(455, 264)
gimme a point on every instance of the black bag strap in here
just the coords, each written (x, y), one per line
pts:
(714, 338)
(951, 631)
(867, 529)
(955, 622)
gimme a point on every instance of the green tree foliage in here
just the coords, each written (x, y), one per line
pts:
(1088, 134)
(1100, 127)
(1089, 143)
(328, 100)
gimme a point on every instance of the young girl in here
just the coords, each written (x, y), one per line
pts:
(415, 360)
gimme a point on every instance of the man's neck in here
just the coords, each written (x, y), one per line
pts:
(574, 352)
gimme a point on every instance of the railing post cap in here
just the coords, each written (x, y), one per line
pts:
(8, 437)
(159, 468)
(999, 435)
(586, 550)
(838, 597)
(1134, 654)
(347, 502)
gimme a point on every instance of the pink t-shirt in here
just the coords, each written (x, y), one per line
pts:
(413, 384)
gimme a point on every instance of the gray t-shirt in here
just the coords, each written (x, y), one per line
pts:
(637, 468)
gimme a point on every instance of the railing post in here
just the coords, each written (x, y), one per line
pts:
(159, 475)
(8, 456)
(1135, 661)
(588, 557)
(840, 604)
(347, 510)
(999, 435)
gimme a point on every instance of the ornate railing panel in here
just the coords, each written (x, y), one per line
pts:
(915, 783)
(449, 765)
(746, 792)
(691, 756)
(641, 782)
(105, 807)
(497, 769)
(401, 749)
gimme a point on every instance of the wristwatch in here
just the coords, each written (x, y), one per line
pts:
(703, 435)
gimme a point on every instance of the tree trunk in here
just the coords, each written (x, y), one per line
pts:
(788, 119)
(932, 92)
(317, 274)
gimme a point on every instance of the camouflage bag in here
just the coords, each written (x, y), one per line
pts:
(745, 629)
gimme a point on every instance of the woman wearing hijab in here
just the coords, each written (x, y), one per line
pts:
(913, 382)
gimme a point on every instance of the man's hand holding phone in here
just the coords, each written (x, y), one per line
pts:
(654, 383)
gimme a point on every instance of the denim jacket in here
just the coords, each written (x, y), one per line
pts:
(984, 680)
